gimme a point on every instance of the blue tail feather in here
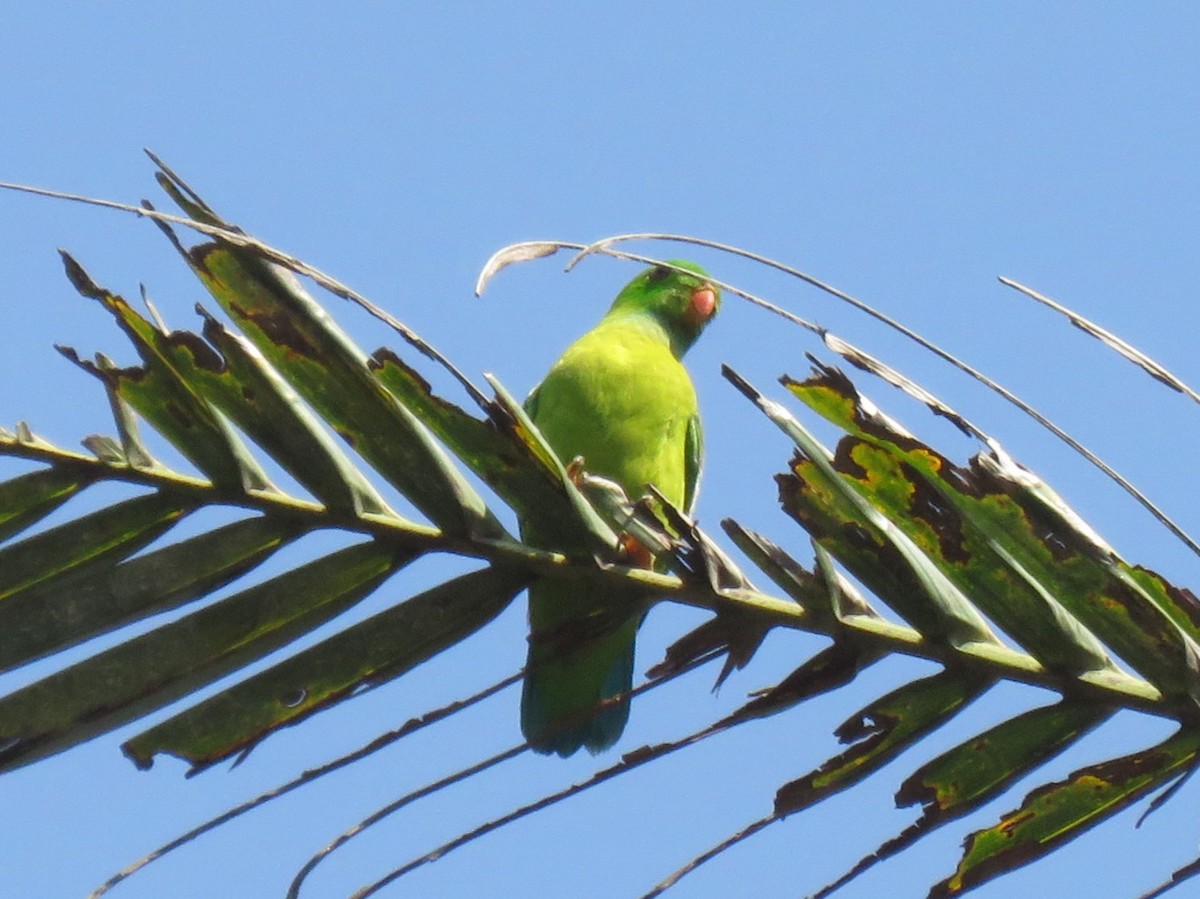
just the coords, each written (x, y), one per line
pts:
(555, 691)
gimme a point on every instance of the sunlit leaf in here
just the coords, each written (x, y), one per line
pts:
(880, 732)
(962, 777)
(909, 481)
(330, 372)
(967, 775)
(1010, 542)
(820, 592)
(503, 453)
(244, 386)
(1058, 812)
(863, 539)
(164, 398)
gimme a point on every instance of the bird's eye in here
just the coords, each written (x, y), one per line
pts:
(658, 273)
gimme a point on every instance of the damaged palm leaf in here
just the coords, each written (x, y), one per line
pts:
(165, 399)
(880, 732)
(966, 776)
(506, 452)
(322, 363)
(1009, 566)
(1013, 546)
(1055, 813)
(825, 592)
(970, 773)
(296, 377)
(239, 381)
(1038, 571)
(284, 389)
(925, 493)
(861, 537)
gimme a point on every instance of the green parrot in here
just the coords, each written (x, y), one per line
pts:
(620, 398)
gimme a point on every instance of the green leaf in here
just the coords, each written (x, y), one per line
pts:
(330, 372)
(66, 610)
(968, 775)
(824, 594)
(1090, 581)
(152, 670)
(505, 453)
(872, 551)
(244, 386)
(1013, 545)
(1056, 813)
(27, 498)
(972, 772)
(880, 732)
(375, 650)
(908, 481)
(1179, 603)
(863, 539)
(95, 539)
(164, 398)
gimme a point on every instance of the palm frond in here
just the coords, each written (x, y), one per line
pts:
(980, 567)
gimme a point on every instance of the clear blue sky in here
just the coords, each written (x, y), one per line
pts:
(907, 153)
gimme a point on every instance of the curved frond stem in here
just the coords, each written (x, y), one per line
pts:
(1180, 875)
(628, 762)
(522, 252)
(395, 806)
(708, 855)
(383, 740)
(1108, 338)
(726, 286)
(240, 238)
(464, 773)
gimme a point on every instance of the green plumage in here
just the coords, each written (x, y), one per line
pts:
(620, 398)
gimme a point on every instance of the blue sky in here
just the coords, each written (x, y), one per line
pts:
(907, 153)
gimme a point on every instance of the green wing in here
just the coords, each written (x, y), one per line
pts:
(693, 463)
(530, 403)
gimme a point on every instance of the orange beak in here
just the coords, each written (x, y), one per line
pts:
(704, 304)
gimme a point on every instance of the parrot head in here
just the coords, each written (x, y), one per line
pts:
(681, 302)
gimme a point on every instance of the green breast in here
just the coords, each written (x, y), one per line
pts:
(619, 398)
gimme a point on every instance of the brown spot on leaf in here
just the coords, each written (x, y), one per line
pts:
(928, 505)
(844, 459)
(278, 328)
(201, 352)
